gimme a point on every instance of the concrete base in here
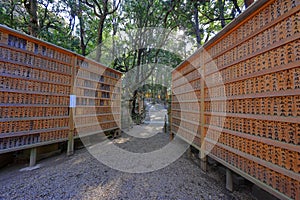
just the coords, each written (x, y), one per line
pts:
(30, 168)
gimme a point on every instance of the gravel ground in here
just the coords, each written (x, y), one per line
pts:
(81, 176)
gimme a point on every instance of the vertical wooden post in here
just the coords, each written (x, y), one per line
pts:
(70, 149)
(203, 158)
(190, 153)
(165, 124)
(170, 120)
(33, 153)
(229, 182)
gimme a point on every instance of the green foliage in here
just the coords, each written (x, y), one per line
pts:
(58, 21)
(209, 16)
(53, 26)
(12, 14)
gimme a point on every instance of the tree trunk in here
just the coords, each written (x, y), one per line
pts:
(134, 102)
(137, 78)
(138, 65)
(11, 14)
(100, 37)
(31, 7)
(235, 3)
(152, 88)
(248, 3)
(82, 31)
(197, 30)
(114, 32)
(222, 17)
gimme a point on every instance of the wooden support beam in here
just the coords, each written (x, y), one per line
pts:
(203, 161)
(70, 150)
(229, 181)
(202, 156)
(189, 152)
(33, 154)
(165, 124)
(170, 115)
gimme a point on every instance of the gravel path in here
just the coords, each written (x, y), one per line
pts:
(81, 176)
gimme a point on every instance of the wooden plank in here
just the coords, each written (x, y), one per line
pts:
(257, 117)
(268, 141)
(257, 95)
(261, 51)
(273, 23)
(266, 187)
(269, 165)
(2, 151)
(259, 73)
(30, 118)
(32, 132)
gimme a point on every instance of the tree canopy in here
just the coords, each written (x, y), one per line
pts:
(82, 25)
(131, 36)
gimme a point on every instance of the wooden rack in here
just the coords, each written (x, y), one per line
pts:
(244, 87)
(36, 81)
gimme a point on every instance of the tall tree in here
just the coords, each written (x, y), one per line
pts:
(203, 19)
(196, 24)
(83, 43)
(32, 7)
(236, 8)
(101, 9)
(221, 5)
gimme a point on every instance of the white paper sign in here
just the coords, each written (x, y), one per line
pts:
(72, 101)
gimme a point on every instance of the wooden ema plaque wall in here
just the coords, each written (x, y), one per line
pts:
(36, 80)
(98, 94)
(249, 104)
